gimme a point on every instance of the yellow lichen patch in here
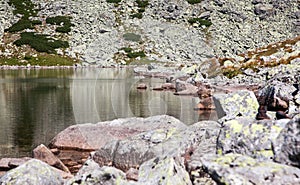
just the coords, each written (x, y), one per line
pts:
(170, 132)
(226, 159)
(234, 125)
(257, 128)
(266, 153)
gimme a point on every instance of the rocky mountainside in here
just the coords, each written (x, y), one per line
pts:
(178, 31)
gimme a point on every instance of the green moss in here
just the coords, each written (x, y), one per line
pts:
(142, 4)
(132, 37)
(40, 43)
(194, 1)
(200, 21)
(64, 21)
(137, 15)
(141, 8)
(127, 50)
(136, 54)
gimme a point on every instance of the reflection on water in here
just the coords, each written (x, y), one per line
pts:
(37, 104)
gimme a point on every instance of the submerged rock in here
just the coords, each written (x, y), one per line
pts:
(240, 169)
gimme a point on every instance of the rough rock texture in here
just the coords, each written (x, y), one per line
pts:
(164, 171)
(132, 152)
(286, 146)
(6, 17)
(76, 142)
(249, 137)
(235, 22)
(42, 153)
(32, 172)
(240, 169)
(105, 176)
(240, 103)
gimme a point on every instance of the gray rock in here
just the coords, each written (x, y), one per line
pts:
(32, 172)
(132, 152)
(263, 9)
(163, 170)
(286, 146)
(104, 175)
(250, 137)
(240, 169)
(240, 103)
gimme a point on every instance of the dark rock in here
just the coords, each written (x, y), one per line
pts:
(141, 86)
(287, 144)
(250, 137)
(260, 9)
(10, 163)
(241, 169)
(33, 172)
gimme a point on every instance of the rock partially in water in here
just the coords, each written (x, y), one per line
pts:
(250, 137)
(241, 169)
(33, 172)
(287, 144)
(76, 142)
(132, 152)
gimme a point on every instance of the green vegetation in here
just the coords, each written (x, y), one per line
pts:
(132, 37)
(127, 50)
(22, 24)
(136, 54)
(194, 1)
(41, 43)
(23, 7)
(60, 20)
(203, 22)
(141, 8)
(41, 60)
(113, 1)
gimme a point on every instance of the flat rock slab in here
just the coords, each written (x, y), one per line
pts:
(240, 169)
(94, 136)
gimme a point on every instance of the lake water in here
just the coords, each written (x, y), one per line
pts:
(37, 104)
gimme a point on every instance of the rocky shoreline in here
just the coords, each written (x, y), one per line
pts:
(245, 65)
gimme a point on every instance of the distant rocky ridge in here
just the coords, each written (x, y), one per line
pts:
(165, 33)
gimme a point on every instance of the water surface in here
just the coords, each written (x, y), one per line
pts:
(37, 104)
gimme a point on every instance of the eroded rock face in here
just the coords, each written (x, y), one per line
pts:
(240, 169)
(287, 144)
(75, 143)
(132, 152)
(32, 172)
(240, 103)
(250, 137)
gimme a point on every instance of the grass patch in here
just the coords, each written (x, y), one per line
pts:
(194, 1)
(41, 60)
(41, 43)
(141, 8)
(127, 50)
(22, 24)
(113, 1)
(136, 54)
(63, 21)
(23, 7)
(200, 21)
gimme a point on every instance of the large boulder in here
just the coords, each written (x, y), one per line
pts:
(163, 170)
(240, 169)
(240, 103)
(250, 137)
(287, 144)
(75, 143)
(34, 172)
(132, 152)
